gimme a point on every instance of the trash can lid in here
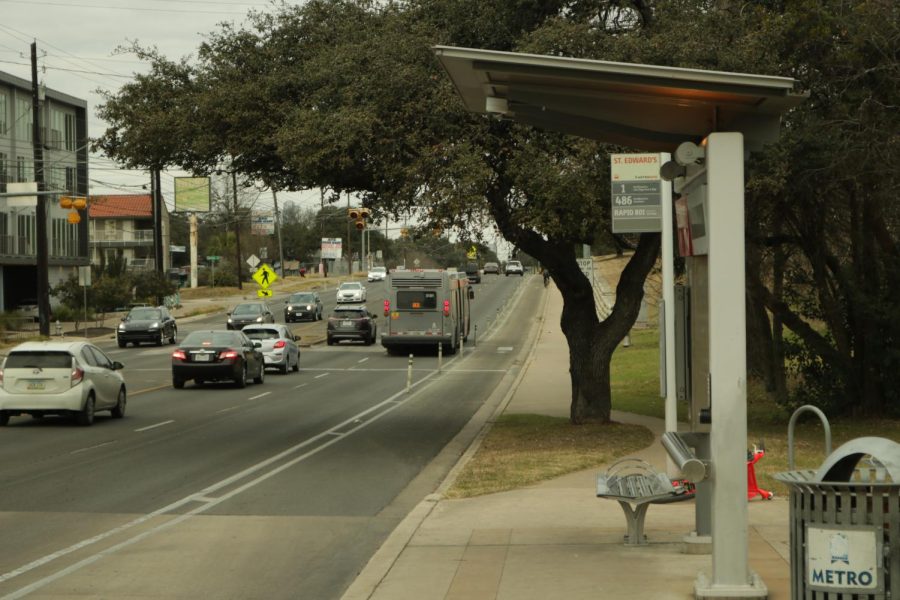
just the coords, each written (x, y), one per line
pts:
(841, 464)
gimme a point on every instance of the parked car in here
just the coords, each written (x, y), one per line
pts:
(279, 346)
(247, 313)
(351, 291)
(514, 267)
(351, 323)
(28, 309)
(60, 378)
(492, 268)
(377, 274)
(473, 273)
(217, 356)
(146, 324)
(302, 306)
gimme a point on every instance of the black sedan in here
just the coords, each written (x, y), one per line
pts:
(351, 323)
(147, 324)
(217, 356)
(247, 313)
(301, 306)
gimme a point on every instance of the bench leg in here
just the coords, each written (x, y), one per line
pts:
(635, 519)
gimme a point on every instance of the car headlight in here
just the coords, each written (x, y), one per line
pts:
(308, 307)
(229, 320)
(121, 326)
(154, 325)
(259, 319)
(290, 307)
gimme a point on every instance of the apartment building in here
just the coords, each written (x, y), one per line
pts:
(64, 139)
(121, 227)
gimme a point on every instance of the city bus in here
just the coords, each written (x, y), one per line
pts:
(426, 307)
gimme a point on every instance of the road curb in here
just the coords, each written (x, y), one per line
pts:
(371, 576)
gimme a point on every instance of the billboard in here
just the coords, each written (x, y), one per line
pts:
(331, 248)
(262, 223)
(192, 194)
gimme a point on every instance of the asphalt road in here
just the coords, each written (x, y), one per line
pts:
(278, 490)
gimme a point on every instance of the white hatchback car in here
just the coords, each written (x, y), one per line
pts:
(351, 291)
(60, 378)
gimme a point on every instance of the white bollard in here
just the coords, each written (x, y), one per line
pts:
(440, 356)
(409, 374)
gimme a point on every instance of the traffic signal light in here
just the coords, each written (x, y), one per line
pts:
(359, 215)
(75, 203)
(404, 232)
(353, 213)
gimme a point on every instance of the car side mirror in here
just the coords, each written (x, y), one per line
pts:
(257, 344)
(471, 294)
(296, 338)
(285, 301)
(117, 365)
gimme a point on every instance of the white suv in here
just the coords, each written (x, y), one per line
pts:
(514, 267)
(351, 291)
(60, 378)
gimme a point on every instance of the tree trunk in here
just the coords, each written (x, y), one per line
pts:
(592, 342)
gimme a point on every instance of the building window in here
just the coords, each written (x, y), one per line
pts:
(23, 119)
(24, 169)
(4, 113)
(65, 238)
(3, 173)
(26, 232)
(70, 132)
(70, 180)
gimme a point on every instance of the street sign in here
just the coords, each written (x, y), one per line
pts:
(84, 276)
(636, 193)
(264, 252)
(264, 293)
(472, 253)
(265, 276)
(253, 261)
(213, 258)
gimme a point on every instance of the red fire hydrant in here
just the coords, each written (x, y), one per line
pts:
(753, 489)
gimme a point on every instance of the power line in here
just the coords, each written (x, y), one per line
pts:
(127, 8)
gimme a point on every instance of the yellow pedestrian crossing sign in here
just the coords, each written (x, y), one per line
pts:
(264, 276)
(472, 253)
(264, 293)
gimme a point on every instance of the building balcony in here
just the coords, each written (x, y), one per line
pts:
(13, 246)
(141, 238)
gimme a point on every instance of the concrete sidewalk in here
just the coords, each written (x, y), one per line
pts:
(556, 539)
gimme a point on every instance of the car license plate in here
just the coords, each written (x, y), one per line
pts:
(35, 385)
(346, 323)
(203, 357)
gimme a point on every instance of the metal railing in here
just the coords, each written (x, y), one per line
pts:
(139, 235)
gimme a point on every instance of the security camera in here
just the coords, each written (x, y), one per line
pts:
(672, 170)
(689, 153)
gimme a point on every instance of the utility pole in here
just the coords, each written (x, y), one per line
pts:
(278, 232)
(322, 226)
(349, 244)
(156, 193)
(42, 264)
(237, 228)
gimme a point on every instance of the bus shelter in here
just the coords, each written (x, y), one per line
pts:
(709, 121)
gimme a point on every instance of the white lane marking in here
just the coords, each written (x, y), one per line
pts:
(130, 370)
(259, 396)
(392, 402)
(155, 426)
(227, 409)
(504, 349)
(296, 387)
(322, 375)
(403, 370)
(363, 360)
(91, 447)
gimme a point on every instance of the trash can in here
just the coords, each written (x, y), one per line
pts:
(844, 520)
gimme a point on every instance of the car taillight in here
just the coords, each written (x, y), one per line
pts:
(387, 307)
(228, 354)
(77, 376)
(279, 344)
(179, 354)
(1, 376)
(446, 308)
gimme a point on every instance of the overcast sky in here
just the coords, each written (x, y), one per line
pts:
(77, 42)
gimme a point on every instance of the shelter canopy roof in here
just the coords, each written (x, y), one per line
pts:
(646, 107)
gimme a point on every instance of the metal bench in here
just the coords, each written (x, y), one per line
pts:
(635, 484)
